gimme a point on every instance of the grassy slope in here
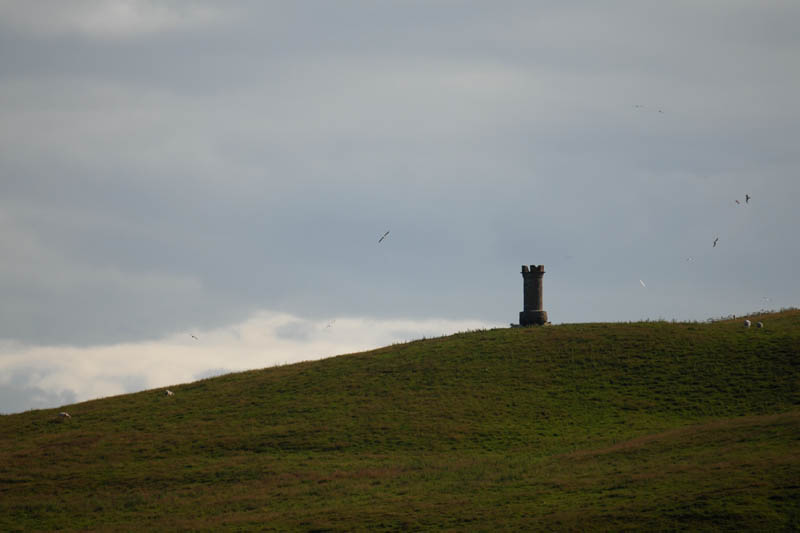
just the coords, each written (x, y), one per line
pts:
(590, 426)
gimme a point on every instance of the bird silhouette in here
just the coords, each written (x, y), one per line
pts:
(738, 202)
(747, 198)
(195, 338)
(715, 242)
(383, 237)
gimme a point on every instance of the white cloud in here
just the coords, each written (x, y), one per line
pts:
(265, 339)
(105, 18)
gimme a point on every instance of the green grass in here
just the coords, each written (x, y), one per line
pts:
(641, 426)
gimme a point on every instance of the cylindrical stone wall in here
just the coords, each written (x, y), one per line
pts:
(532, 291)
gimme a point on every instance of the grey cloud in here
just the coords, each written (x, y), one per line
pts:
(18, 393)
(109, 19)
(296, 330)
(132, 383)
(190, 178)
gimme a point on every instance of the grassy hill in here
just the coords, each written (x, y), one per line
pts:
(587, 426)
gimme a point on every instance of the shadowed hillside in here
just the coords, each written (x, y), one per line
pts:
(593, 426)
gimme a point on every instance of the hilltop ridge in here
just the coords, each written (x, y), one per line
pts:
(647, 425)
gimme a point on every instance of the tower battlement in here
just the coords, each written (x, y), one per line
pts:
(533, 269)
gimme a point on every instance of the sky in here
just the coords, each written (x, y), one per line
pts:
(194, 188)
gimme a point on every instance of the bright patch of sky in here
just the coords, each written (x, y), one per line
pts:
(44, 376)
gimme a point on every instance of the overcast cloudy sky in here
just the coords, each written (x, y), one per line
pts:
(225, 169)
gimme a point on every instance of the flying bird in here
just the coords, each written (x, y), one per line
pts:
(643, 285)
(383, 237)
(195, 338)
(690, 259)
(738, 202)
(747, 198)
(715, 242)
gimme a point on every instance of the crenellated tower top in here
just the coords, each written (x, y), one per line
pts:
(534, 269)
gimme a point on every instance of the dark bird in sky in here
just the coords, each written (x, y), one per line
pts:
(715, 242)
(738, 202)
(747, 198)
(195, 338)
(383, 237)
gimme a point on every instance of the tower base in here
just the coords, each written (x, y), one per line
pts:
(532, 318)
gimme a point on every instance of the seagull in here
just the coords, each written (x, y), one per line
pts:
(747, 198)
(643, 285)
(383, 237)
(195, 338)
(690, 259)
(715, 242)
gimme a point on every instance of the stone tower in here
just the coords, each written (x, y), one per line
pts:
(532, 312)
